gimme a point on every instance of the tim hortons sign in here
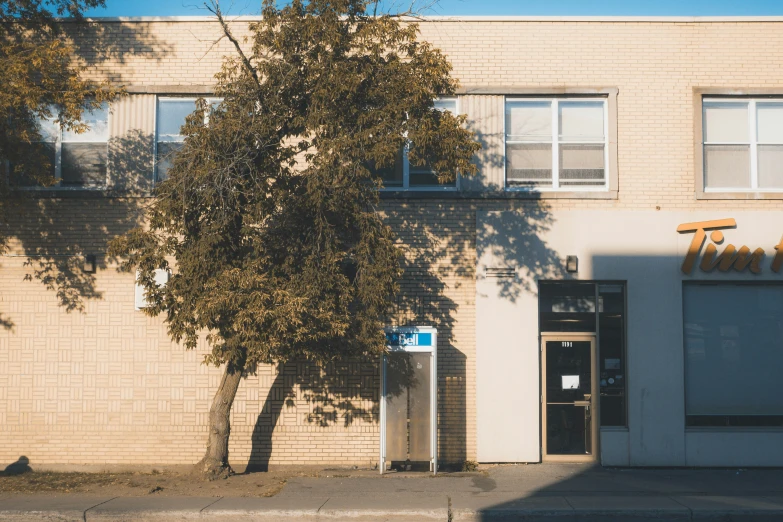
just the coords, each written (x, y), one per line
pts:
(731, 257)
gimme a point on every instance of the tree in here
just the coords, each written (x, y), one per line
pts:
(269, 214)
(40, 81)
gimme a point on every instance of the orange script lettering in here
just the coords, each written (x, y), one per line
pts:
(731, 257)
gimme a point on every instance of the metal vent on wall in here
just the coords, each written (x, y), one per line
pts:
(500, 272)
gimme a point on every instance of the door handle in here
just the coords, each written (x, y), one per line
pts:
(583, 403)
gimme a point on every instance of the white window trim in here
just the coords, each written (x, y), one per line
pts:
(167, 97)
(555, 100)
(58, 155)
(752, 104)
(406, 187)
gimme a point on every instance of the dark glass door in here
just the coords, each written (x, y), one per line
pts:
(570, 424)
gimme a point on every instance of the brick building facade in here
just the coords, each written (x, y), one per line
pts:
(86, 379)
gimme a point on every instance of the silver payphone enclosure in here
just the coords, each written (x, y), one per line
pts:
(405, 400)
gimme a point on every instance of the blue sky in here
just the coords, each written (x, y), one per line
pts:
(483, 7)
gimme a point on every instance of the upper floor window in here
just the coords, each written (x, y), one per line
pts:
(170, 117)
(78, 159)
(556, 144)
(405, 175)
(743, 144)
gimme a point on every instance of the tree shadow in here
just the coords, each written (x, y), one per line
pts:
(444, 247)
(348, 393)
(341, 393)
(131, 165)
(486, 158)
(512, 251)
(50, 233)
(446, 241)
(440, 243)
(33, 228)
(435, 242)
(102, 42)
(6, 323)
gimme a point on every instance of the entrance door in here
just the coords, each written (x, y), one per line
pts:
(569, 398)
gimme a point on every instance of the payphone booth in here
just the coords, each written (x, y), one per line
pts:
(409, 409)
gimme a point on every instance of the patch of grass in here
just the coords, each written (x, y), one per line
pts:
(469, 465)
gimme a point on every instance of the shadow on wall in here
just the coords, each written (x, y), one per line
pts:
(54, 231)
(54, 236)
(131, 165)
(6, 324)
(347, 393)
(511, 249)
(101, 42)
(57, 261)
(442, 240)
(342, 393)
(486, 159)
(439, 240)
(436, 243)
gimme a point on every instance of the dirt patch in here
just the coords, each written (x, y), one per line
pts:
(156, 483)
(172, 483)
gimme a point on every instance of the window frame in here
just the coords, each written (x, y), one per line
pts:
(702, 94)
(58, 157)
(556, 188)
(753, 142)
(596, 284)
(179, 97)
(406, 186)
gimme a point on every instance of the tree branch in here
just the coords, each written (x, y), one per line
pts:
(416, 9)
(214, 8)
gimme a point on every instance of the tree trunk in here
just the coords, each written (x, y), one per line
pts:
(215, 465)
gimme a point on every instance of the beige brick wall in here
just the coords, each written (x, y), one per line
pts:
(104, 385)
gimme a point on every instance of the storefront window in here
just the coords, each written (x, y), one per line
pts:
(570, 307)
(733, 354)
(611, 351)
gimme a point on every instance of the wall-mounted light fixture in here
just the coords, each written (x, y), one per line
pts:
(572, 264)
(89, 264)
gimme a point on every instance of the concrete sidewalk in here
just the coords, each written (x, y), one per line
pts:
(535, 492)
